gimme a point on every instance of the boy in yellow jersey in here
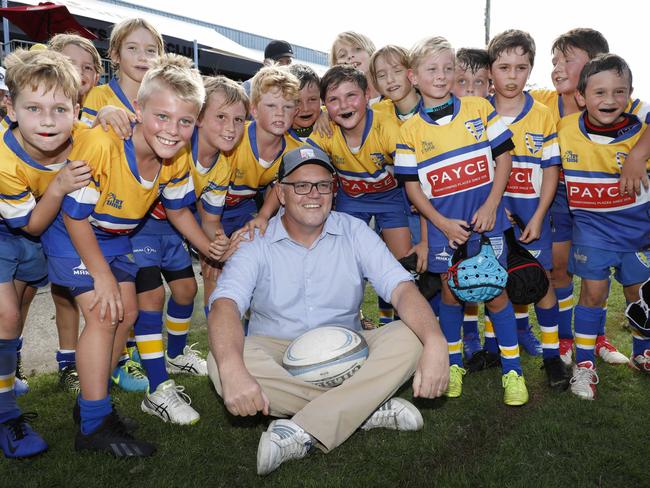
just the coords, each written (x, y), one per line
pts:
(445, 158)
(35, 175)
(610, 229)
(309, 104)
(88, 247)
(356, 49)
(472, 77)
(533, 179)
(570, 52)
(133, 45)
(274, 100)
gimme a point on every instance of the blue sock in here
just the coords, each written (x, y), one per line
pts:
(148, 335)
(505, 329)
(8, 407)
(547, 319)
(587, 320)
(451, 318)
(470, 319)
(65, 358)
(565, 309)
(177, 323)
(93, 413)
(521, 317)
(434, 301)
(603, 321)
(206, 311)
(490, 343)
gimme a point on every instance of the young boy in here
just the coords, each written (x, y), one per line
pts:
(535, 172)
(607, 226)
(355, 49)
(472, 73)
(88, 247)
(35, 175)
(309, 104)
(445, 158)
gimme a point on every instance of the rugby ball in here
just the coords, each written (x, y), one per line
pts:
(326, 356)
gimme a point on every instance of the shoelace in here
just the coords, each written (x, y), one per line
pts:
(293, 448)
(384, 412)
(177, 396)
(134, 370)
(193, 352)
(20, 373)
(18, 425)
(585, 375)
(71, 378)
(510, 378)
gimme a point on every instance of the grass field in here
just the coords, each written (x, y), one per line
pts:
(555, 440)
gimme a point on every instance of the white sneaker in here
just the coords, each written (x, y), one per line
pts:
(584, 381)
(396, 414)
(284, 440)
(189, 362)
(608, 352)
(170, 403)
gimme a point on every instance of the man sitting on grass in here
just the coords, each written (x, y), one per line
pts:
(308, 271)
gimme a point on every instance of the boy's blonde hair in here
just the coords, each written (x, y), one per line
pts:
(233, 92)
(174, 72)
(426, 47)
(59, 42)
(49, 69)
(354, 38)
(392, 52)
(123, 29)
(271, 77)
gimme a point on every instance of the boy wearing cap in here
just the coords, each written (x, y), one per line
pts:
(307, 271)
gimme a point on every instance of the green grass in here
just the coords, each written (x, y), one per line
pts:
(555, 440)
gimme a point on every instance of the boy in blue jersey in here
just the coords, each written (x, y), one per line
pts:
(88, 247)
(534, 176)
(445, 158)
(609, 229)
(35, 175)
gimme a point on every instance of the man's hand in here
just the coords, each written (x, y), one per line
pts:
(432, 374)
(243, 395)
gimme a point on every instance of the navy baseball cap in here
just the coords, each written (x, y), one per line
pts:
(278, 49)
(295, 158)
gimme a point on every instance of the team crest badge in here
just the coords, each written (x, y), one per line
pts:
(535, 252)
(644, 258)
(620, 159)
(475, 127)
(497, 245)
(534, 142)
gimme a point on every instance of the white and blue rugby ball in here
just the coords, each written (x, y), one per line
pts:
(326, 356)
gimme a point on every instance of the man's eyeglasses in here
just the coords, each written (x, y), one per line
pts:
(305, 187)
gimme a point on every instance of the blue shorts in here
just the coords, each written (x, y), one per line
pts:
(541, 249)
(561, 226)
(167, 252)
(383, 220)
(439, 256)
(235, 222)
(72, 272)
(591, 263)
(22, 259)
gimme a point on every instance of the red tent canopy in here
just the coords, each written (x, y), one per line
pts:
(42, 21)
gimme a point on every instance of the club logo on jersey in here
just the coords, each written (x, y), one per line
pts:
(597, 195)
(521, 181)
(113, 201)
(354, 188)
(460, 176)
(80, 270)
(443, 255)
(535, 252)
(475, 127)
(428, 146)
(581, 258)
(378, 160)
(497, 245)
(569, 157)
(239, 174)
(643, 258)
(620, 159)
(534, 142)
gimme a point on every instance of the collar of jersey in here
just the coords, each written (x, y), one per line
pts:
(253, 140)
(13, 144)
(630, 133)
(366, 129)
(425, 116)
(115, 86)
(528, 104)
(129, 152)
(194, 144)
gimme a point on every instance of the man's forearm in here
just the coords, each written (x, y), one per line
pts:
(416, 313)
(226, 335)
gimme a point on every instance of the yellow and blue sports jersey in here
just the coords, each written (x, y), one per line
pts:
(250, 175)
(387, 106)
(453, 161)
(366, 173)
(536, 148)
(116, 199)
(602, 217)
(101, 96)
(22, 181)
(5, 123)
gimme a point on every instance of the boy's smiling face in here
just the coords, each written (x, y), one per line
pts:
(567, 66)
(223, 125)
(136, 53)
(45, 120)
(346, 104)
(392, 78)
(308, 106)
(606, 97)
(434, 77)
(85, 66)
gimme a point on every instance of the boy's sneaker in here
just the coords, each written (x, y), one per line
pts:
(171, 404)
(455, 388)
(556, 373)
(284, 440)
(482, 360)
(130, 377)
(529, 342)
(189, 362)
(566, 351)
(608, 352)
(18, 440)
(515, 393)
(584, 380)
(641, 362)
(21, 385)
(113, 438)
(130, 424)
(396, 414)
(69, 379)
(471, 345)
